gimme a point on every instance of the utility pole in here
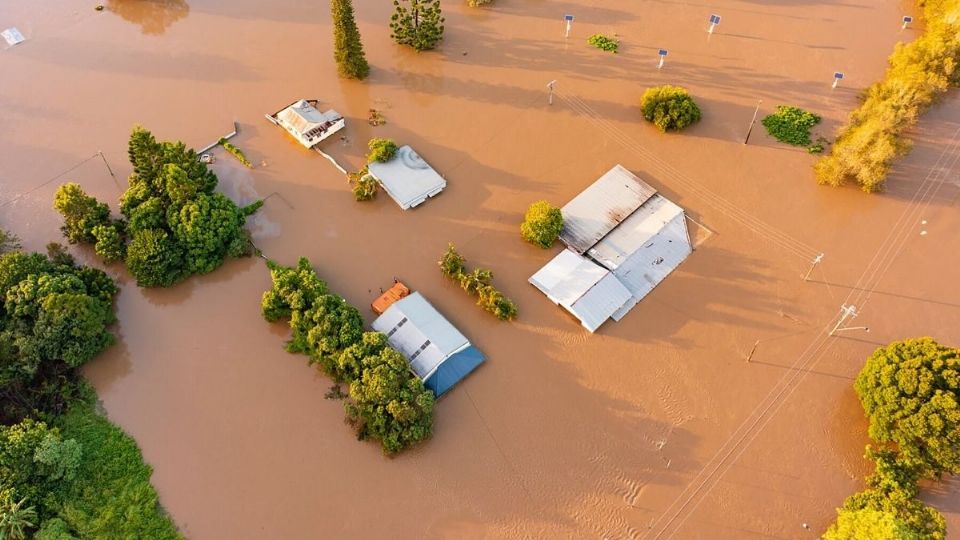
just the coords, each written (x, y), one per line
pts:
(816, 261)
(753, 121)
(551, 85)
(845, 313)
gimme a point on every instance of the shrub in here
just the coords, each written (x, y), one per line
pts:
(919, 72)
(791, 125)
(604, 43)
(236, 152)
(478, 3)
(347, 47)
(364, 185)
(541, 224)
(417, 23)
(477, 283)
(381, 150)
(669, 108)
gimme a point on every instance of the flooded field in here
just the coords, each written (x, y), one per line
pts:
(656, 426)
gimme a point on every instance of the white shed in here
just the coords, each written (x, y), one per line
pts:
(407, 178)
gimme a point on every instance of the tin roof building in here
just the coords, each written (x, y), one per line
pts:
(407, 178)
(438, 353)
(623, 238)
(307, 124)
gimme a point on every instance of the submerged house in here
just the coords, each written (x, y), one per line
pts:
(306, 123)
(438, 353)
(622, 238)
(407, 178)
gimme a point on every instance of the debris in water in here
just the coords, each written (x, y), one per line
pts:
(376, 118)
(12, 36)
(207, 158)
(99, 7)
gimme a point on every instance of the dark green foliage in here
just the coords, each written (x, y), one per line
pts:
(54, 529)
(347, 46)
(17, 517)
(417, 23)
(604, 43)
(381, 150)
(236, 152)
(81, 213)
(53, 319)
(176, 226)
(541, 224)
(910, 391)
(388, 402)
(791, 125)
(669, 108)
(155, 259)
(477, 283)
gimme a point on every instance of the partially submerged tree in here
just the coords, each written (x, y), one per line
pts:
(381, 150)
(670, 108)
(347, 47)
(541, 224)
(417, 23)
(910, 391)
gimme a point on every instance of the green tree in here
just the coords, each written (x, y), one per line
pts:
(16, 518)
(452, 264)
(8, 242)
(669, 108)
(866, 524)
(910, 391)
(294, 289)
(208, 228)
(323, 331)
(110, 243)
(381, 150)
(155, 259)
(54, 529)
(541, 224)
(417, 23)
(81, 213)
(389, 403)
(347, 46)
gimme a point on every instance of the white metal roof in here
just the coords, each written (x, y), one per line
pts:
(585, 289)
(416, 329)
(407, 178)
(634, 232)
(660, 254)
(601, 207)
(303, 117)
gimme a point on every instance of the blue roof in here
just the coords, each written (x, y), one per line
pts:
(453, 369)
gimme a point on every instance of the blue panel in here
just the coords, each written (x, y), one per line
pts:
(662, 52)
(453, 370)
(838, 75)
(568, 17)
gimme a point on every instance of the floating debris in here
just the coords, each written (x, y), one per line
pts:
(376, 118)
(12, 36)
(207, 158)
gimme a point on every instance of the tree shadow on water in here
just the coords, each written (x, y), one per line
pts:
(153, 16)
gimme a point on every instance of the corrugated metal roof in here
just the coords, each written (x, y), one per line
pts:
(601, 207)
(584, 288)
(304, 117)
(634, 232)
(416, 329)
(653, 261)
(407, 178)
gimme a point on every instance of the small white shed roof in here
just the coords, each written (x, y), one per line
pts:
(598, 209)
(416, 329)
(407, 178)
(585, 289)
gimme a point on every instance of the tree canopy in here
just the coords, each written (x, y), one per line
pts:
(347, 46)
(174, 225)
(541, 224)
(417, 23)
(910, 391)
(670, 108)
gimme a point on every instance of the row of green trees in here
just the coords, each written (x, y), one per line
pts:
(387, 401)
(174, 225)
(910, 391)
(919, 73)
(65, 471)
(477, 283)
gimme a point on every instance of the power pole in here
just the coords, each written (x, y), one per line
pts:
(816, 261)
(551, 85)
(753, 121)
(845, 313)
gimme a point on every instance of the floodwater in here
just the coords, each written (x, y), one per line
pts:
(654, 427)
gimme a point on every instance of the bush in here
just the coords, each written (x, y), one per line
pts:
(236, 152)
(919, 72)
(791, 125)
(478, 3)
(176, 225)
(477, 283)
(417, 23)
(669, 108)
(381, 150)
(364, 185)
(541, 224)
(604, 43)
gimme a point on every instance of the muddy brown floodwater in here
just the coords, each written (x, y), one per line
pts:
(656, 426)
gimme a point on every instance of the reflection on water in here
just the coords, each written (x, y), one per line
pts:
(153, 16)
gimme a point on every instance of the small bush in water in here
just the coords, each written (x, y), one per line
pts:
(669, 107)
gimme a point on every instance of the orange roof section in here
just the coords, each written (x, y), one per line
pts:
(385, 300)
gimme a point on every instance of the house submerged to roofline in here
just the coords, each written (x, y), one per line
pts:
(623, 238)
(306, 123)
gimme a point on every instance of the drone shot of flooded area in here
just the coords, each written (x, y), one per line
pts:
(638, 269)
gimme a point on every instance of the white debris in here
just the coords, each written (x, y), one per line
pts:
(12, 36)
